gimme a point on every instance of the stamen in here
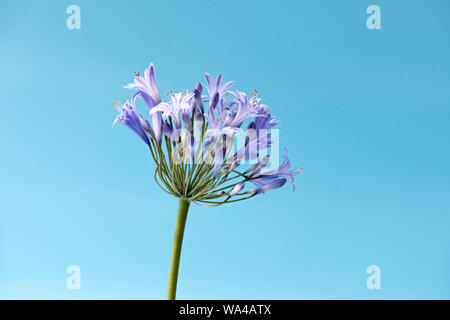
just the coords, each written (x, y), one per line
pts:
(116, 103)
(254, 98)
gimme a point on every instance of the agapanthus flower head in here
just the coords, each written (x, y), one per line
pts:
(199, 143)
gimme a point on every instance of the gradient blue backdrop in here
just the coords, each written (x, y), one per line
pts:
(364, 112)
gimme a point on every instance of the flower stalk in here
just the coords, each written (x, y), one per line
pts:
(183, 208)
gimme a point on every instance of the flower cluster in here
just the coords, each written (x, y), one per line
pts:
(193, 139)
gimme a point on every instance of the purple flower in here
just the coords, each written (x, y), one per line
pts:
(168, 130)
(218, 125)
(265, 120)
(147, 90)
(180, 103)
(231, 116)
(216, 85)
(146, 86)
(133, 120)
(282, 172)
(245, 110)
(237, 188)
(198, 97)
(272, 184)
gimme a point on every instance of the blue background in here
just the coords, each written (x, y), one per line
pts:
(364, 112)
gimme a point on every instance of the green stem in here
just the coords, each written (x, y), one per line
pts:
(183, 208)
